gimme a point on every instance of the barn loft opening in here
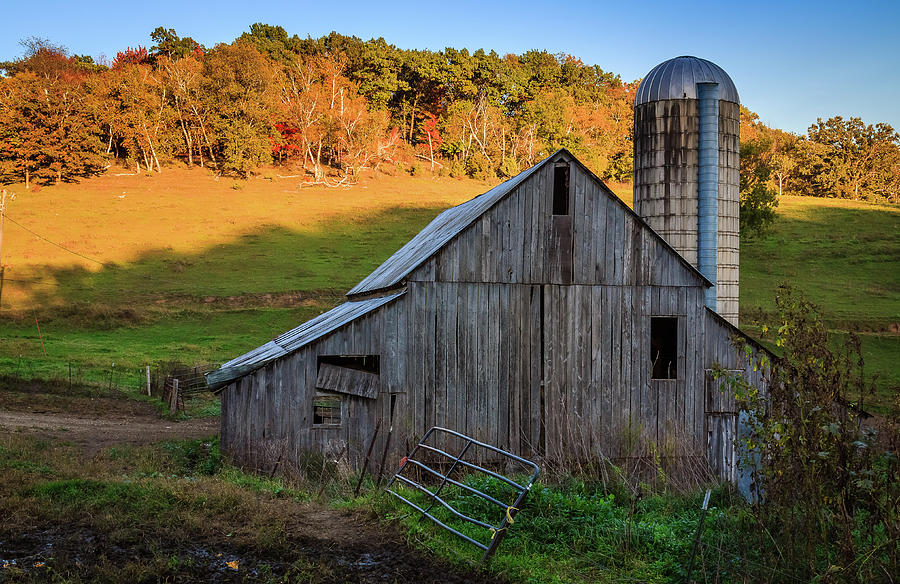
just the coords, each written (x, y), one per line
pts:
(368, 363)
(561, 188)
(664, 347)
(327, 410)
(356, 375)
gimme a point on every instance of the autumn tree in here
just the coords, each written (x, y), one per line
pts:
(44, 59)
(48, 134)
(131, 56)
(184, 79)
(328, 122)
(135, 115)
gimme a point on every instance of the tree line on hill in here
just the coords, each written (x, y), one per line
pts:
(337, 105)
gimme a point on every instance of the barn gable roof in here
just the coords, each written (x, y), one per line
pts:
(294, 339)
(436, 235)
(386, 283)
(453, 221)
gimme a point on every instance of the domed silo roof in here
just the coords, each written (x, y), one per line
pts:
(678, 78)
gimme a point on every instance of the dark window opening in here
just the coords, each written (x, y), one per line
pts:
(664, 347)
(561, 188)
(327, 411)
(369, 363)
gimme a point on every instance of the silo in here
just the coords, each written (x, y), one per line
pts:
(686, 169)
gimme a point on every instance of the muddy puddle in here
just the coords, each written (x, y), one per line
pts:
(48, 554)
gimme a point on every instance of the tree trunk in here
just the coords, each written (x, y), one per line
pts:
(209, 147)
(187, 141)
(412, 119)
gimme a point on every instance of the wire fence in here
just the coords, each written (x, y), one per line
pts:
(151, 379)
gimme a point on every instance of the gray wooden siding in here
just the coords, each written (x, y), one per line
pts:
(470, 356)
(514, 242)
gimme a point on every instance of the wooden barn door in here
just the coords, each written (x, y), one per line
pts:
(721, 429)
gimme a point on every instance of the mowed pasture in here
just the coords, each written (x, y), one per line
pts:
(186, 266)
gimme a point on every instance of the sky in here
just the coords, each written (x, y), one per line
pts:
(792, 61)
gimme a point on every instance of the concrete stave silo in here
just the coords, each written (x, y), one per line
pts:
(686, 162)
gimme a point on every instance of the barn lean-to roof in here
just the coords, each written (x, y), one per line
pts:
(386, 282)
(295, 339)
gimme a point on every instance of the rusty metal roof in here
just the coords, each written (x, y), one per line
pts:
(678, 78)
(294, 339)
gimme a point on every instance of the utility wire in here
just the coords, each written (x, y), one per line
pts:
(62, 247)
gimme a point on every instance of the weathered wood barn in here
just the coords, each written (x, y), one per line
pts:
(543, 316)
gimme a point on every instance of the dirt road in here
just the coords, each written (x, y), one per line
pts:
(325, 545)
(93, 434)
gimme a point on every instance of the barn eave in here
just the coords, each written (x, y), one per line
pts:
(296, 338)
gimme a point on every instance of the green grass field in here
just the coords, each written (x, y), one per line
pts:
(190, 268)
(845, 257)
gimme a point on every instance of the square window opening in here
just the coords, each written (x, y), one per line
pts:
(664, 347)
(561, 188)
(327, 411)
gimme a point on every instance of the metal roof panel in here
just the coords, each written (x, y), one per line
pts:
(436, 235)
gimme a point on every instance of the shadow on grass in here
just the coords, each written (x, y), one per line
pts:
(271, 266)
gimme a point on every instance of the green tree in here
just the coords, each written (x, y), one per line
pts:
(757, 199)
(240, 85)
(272, 41)
(849, 159)
(169, 44)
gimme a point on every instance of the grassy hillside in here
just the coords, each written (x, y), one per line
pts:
(185, 266)
(844, 256)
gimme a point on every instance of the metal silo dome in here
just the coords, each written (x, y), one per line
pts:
(678, 78)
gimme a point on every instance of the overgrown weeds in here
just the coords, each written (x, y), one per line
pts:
(827, 484)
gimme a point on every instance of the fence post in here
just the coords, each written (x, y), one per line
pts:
(173, 397)
(148, 380)
(697, 537)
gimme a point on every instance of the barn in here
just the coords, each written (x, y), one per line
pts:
(544, 316)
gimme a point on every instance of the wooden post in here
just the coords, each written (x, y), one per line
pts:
(2, 217)
(173, 397)
(148, 380)
(362, 472)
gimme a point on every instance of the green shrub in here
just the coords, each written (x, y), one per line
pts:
(829, 491)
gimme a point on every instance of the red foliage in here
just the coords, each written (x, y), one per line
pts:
(431, 139)
(131, 56)
(288, 145)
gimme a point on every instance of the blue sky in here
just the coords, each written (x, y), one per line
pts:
(792, 61)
